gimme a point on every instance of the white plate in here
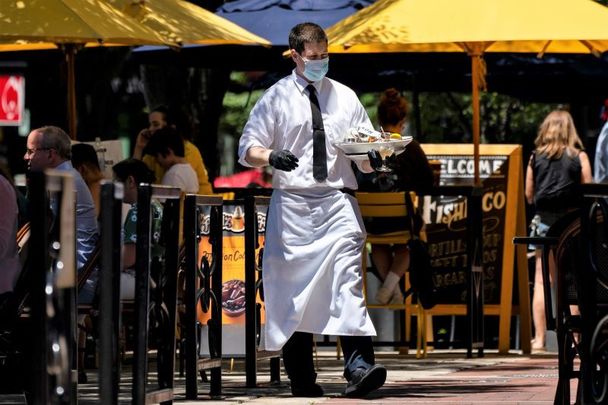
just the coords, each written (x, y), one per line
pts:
(361, 157)
(361, 148)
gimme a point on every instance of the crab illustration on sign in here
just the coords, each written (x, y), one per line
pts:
(12, 91)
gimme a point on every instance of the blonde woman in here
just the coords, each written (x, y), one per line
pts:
(557, 166)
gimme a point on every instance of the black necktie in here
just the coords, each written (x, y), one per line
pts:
(319, 154)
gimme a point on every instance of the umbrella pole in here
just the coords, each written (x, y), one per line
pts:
(475, 62)
(70, 56)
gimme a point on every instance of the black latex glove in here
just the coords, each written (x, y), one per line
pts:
(283, 160)
(375, 160)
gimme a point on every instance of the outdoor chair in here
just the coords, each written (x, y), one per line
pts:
(560, 242)
(12, 305)
(591, 280)
(392, 205)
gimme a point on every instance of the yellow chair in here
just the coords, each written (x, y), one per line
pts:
(385, 205)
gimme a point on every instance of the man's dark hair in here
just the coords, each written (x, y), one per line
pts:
(305, 33)
(165, 139)
(133, 167)
(84, 154)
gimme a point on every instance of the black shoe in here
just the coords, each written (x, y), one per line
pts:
(309, 390)
(363, 381)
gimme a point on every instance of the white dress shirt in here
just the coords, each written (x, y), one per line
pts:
(601, 157)
(282, 119)
(181, 175)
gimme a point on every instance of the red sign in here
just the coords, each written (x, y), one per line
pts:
(12, 96)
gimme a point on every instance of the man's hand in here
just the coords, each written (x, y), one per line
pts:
(283, 160)
(375, 161)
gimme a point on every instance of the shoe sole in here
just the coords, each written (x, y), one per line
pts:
(374, 379)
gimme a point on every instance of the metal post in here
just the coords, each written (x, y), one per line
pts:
(190, 239)
(250, 315)
(142, 294)
(109, 293)
(217, 238)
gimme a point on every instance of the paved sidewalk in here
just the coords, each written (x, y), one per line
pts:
(442, 378)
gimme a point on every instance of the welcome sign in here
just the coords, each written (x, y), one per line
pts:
(503, 216)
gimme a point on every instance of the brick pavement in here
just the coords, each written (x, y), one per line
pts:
(442, 378)
(528, 380)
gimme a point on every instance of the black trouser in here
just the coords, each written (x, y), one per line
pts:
(358, 352)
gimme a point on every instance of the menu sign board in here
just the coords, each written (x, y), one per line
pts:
(502, 204)
(446, 217)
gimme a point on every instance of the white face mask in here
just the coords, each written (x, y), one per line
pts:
(315, 70)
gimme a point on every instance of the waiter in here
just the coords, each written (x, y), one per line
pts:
(314, 234)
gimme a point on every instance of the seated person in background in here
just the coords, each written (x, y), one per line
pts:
(411, 172)
(10, 266)
(160, 118)
(132, 172)
(168, 148)
(85, 160)
(50, 148)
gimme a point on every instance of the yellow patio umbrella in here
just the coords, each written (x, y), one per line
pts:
(474, 27)
(68, 25)
(186, 23)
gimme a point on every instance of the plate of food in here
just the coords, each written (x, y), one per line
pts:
(361, 140)
(361, 148)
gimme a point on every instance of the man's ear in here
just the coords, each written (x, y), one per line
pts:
(293, 54)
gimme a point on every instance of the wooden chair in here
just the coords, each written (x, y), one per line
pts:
(392, 205)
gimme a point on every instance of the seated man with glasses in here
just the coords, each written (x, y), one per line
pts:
(50, 148)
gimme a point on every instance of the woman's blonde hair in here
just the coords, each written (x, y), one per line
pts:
(556, 134)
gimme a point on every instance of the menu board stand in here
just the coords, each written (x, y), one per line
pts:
(503, 217)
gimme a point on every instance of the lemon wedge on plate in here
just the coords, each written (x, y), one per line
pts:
(395, 135)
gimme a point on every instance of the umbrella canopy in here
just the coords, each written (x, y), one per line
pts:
(474, 27)
(69, 24)
(42, 24)
(273, 19)
(182, 22)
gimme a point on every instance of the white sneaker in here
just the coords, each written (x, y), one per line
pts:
(383, 295)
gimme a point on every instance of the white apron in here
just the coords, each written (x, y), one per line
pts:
(312, 266)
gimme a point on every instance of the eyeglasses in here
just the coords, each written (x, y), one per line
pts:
(30, 152)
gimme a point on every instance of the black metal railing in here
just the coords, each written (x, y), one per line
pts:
(53, 297)
(253, 286)
(203, 218)
(109, 292)
(156, 294)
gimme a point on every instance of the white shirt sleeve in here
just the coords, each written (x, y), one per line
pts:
(601, 156)
(259, 130)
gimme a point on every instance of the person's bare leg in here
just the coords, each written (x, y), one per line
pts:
(390, 291)
(401, 263)
(401, 260)
(538, 305)
(382, 257)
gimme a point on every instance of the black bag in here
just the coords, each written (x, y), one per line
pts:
(421, 272)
